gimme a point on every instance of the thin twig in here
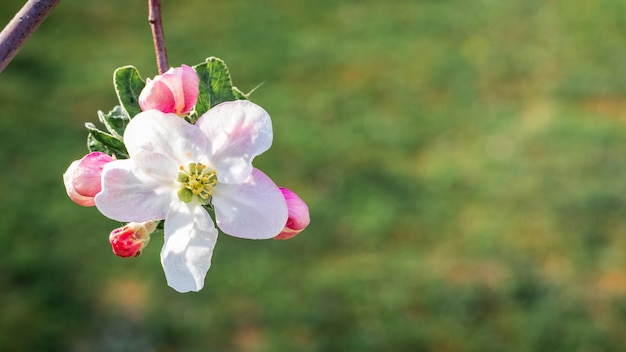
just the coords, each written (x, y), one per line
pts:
(154, 17)
(23, 24)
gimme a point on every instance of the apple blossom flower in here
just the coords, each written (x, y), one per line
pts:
(82, 178)
(175, 91)
(176, 169)
(129, 240)
(298, 218)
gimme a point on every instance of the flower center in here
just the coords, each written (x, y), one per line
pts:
(197, 181)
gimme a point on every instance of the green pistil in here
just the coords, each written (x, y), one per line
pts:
(197, 181)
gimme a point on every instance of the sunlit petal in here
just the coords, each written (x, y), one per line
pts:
(166, 134)
(190, 237)
(238, 131)
(254, 209)
(137, 189)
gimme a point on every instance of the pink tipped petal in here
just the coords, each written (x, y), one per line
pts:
(81, 200)
(190, 237)
(238, 131)
(83, 178)
(254, 209)
(287, 233)
(298, 210)
(138, 189)
(175, 91)
(87, 174)
(173, 78)
(71, 191)
(190, 87)
(166, 134)
(156, 95)
(298, 218)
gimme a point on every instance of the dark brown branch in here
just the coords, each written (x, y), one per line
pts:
(19, 29)
(154, 17)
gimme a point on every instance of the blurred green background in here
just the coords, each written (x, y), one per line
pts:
(463, 162)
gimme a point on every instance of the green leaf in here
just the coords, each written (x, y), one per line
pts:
(115, 121)
(215, 85)
(239, 95)
(128, 86)
(113, 144)
(96, 146)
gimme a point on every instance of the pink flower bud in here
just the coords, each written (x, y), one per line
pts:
(298, 218)
(82, 178)
(175, 91)
(129, 240)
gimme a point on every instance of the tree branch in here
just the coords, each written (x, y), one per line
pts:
(154, 17)
(23, 24)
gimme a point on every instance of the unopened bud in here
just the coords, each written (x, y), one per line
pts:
(129, 240)
(175, 91)
(298, 215)
(83, 178)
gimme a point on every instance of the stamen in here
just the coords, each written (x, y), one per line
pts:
(196, 181)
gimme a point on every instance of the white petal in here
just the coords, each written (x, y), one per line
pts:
(190, 237)
(238, 131)
(254, 209)
(166, 134)
(137, 189)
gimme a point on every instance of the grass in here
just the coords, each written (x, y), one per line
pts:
(462, 161)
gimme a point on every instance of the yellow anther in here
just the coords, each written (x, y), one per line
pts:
(197, 181)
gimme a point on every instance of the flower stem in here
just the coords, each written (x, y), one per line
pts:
(23, 24)
(154, 17)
